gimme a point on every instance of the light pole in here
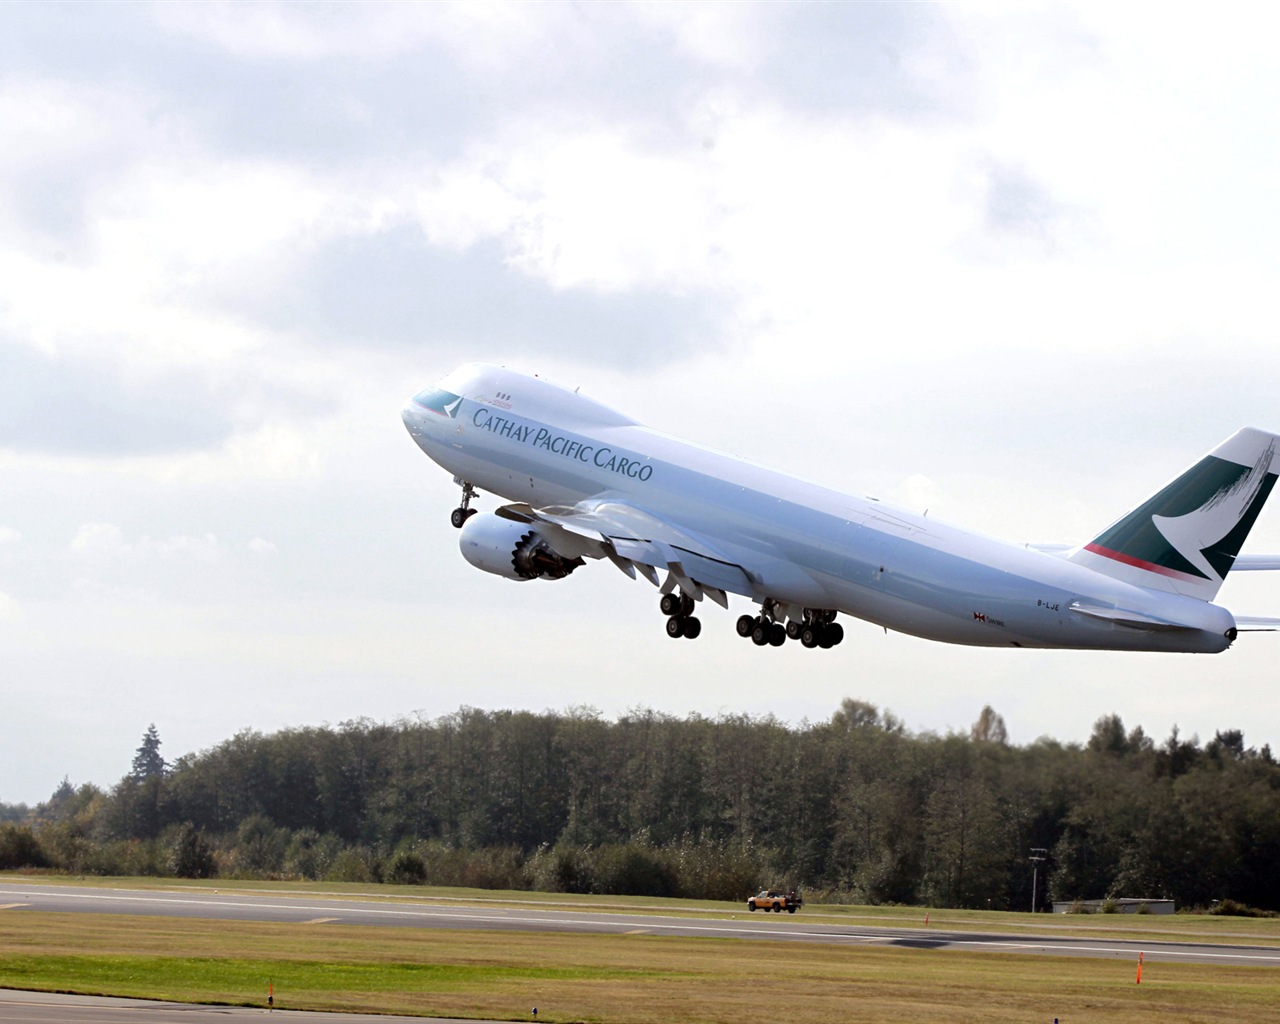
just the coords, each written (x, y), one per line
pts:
(1038, 854)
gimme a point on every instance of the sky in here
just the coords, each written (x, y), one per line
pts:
(1013, 263)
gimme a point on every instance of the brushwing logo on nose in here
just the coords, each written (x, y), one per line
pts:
(442, 403)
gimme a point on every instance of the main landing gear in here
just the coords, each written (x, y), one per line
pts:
(680, 620)
(818, 628)
(764, 632)
(464, 511)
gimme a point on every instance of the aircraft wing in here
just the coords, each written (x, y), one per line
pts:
(636, 540)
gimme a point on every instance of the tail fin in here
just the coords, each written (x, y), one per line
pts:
(1186, 538)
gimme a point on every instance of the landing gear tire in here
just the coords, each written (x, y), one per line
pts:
(745, 625)
(760, 634)
(777, 634)
(794, 629)
(679, 611)
(464, 511)
(818, 629)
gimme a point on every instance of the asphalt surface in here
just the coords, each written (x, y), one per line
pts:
(19, 897)
(53, 1008)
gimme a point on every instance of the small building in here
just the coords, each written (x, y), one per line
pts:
(1121, 905)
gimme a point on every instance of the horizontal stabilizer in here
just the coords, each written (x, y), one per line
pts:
(1123, 617)
(1052, 548)
(1257, 624)
(1247, 563)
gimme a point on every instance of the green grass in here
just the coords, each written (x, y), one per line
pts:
(112, 973)
(631, 979)
(613, 979)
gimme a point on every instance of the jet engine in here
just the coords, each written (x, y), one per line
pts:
(516, 551)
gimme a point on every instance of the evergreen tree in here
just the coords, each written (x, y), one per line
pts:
(147, 762)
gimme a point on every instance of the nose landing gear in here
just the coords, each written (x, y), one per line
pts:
(464, 511)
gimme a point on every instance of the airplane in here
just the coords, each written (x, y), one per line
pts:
(583, 481)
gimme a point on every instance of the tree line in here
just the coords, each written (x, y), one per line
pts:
(857, 807)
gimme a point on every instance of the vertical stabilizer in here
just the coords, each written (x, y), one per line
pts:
(1186, 538)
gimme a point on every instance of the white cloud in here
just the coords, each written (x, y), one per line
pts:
(917, 492)
(1017, 251)
(605, 211)
(733, 37)
(97, 541)
(93, 539)
(481, 34)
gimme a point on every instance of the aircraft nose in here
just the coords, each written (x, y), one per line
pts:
(411, 417)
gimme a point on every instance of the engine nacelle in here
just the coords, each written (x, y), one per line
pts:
(516, 551)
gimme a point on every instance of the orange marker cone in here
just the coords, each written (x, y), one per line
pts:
(1139, 981)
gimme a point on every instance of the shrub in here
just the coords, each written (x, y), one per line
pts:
(405, 868)
(495, 867)
(633, 870)
(259, 847)
(559, 868)
(708, 871)
(19, 848)
(355, 864)
(310, 855)
(124, 857)
(190, 855)
(1230, 908)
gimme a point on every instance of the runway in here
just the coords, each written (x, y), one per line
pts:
(17, 897)
(55, 1008)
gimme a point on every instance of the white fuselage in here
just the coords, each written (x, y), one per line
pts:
(805, 545)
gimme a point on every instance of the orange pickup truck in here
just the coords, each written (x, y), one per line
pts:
(777, 900)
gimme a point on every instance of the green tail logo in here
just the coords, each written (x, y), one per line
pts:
(1193, 530)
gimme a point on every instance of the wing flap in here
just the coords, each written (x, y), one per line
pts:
(630, 536)
(713, 572)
